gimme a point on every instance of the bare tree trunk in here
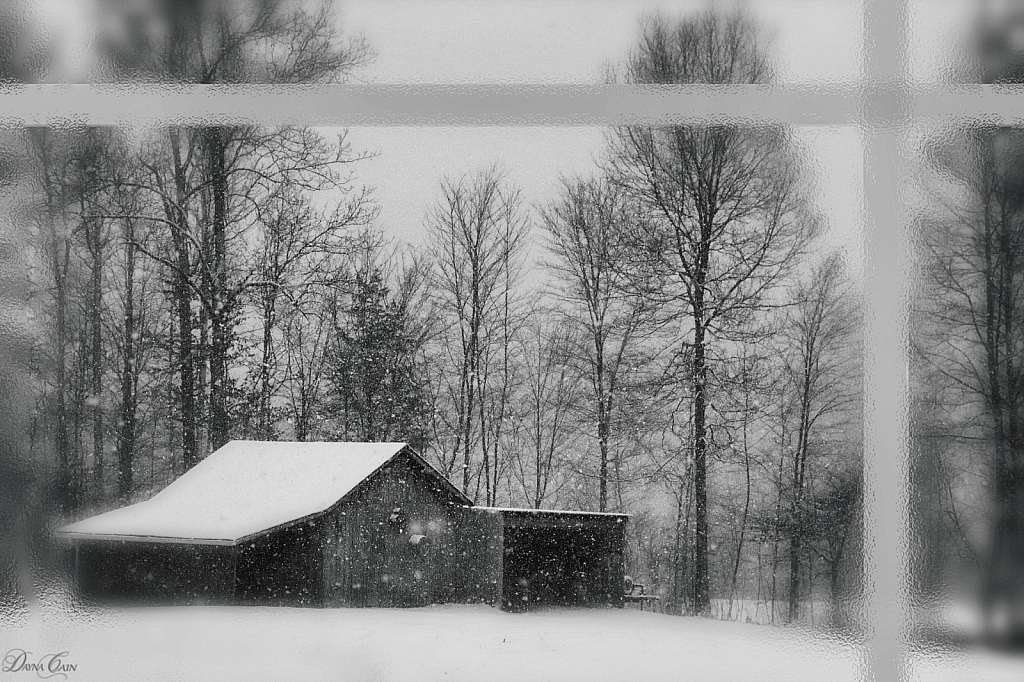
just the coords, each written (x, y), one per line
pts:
(267, 345)
(701, 592)
(216, 144)
(96, 324)
(707, 187)
(66, 483)
(79, 410)
(678, 550)
(506, 376)
(129, 378)
(473, 370)
(183, 301)
(538, 445)
(482, 396)
(746, 468)
(602, 423)
(777, 520)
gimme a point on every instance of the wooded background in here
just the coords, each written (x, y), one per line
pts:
(683, 346)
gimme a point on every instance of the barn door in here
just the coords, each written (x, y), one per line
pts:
(409, 570)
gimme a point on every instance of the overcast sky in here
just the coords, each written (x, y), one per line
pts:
(410, 163)
(564, 41)
(813, 42)
(571, 40)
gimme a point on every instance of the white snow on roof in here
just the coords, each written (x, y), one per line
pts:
(548, 511)
(243, 488)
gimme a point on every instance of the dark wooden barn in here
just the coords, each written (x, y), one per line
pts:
(341, 524)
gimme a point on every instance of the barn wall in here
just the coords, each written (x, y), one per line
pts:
(283, 567)
(155, 572)
(478, 556)
(368, 558)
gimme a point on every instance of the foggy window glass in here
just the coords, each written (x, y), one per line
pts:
(570, 340)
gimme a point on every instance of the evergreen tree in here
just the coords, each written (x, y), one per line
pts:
(377, 392)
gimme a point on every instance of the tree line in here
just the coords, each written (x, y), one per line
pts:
(967, 452)
(682, 348)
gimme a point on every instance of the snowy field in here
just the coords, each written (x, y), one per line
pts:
(959, 622)
(978, 665)
(455, 642)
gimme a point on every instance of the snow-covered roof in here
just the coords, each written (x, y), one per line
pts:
(563, 512)
(242, 489)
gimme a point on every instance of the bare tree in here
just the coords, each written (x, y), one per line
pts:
(584, 227)
(208, 180)
(477, 234)
(722, 209)
(92, 160)
(820, 359)
(56, 243)
(545, 422)
(752, 384)
(306, 327)
(297, 247)
(131, 302)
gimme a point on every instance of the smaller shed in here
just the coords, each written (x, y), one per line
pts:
(544, 557)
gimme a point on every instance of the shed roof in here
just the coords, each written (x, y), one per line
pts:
(548, 512)
(242, 489)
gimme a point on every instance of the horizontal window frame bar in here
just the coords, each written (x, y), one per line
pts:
(884, 104)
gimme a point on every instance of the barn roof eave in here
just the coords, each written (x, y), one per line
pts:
(553, 512)
(157, 539)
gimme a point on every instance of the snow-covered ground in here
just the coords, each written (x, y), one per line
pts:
(974, 665)
(949, 648)
(454, 642)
